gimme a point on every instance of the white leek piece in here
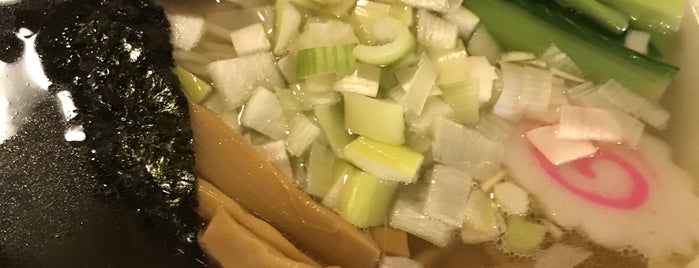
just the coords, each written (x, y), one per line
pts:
(579, 123)
(558, 100)
(523, 236)
(434, 109)
(265, 114)
(388, 162)
(286, 26)
(536, 89)
(634, 104)
(434, 32)
(408, 215)
(452, 66)
(250, 39)
(302, 133)
(331, 120)
(483, 44)
(447, 194)
(466, 149)
(556, 150)
(517, 56)
(556, 58)
(494, 127)
(488, 184)
(276, 153)
(419, 87)
(508, 106)
(324, 34)
(402, 12)
(511, 198)
(250, 72)
(637, 40)
(186, 30)
(483, 222)
(434, 5)
(319, 83)
(399, 41)
(464, 19)
(561, 256)
(376, 119)
(463, 97)
(399, 262)
(290, 101)
(480, 69)
(631, 127)
(364, 80)
(217, 104)
(287, 66)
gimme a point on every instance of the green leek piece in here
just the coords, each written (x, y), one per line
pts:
(463, 99)
(290, 101)
(365, 199)
(522, 236)
(325, 60)
(538, 26)
(605, 16)
(377, 119)
(321, 164)
(194, 88)
(388, 162)
(331, 120)
(400, 43)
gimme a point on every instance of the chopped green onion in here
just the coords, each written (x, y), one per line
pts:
(447, 194)
(634, 104)
(265, 114)
(331, 120)
(250, 40)
(583, 123)
(302, 133)
(463, 97)
(286, 26)
(464, 19)
(557, 59)
(483, 222)
(364, 80)
(559, 151)
(327, 33)
(194, 88)
(376, 119)
(511, 198)
(325, 60)
(434, 5)
(321, 164)
(522, 236)
(480, 69)
(562, 255)
(287, 66)
(341, 173)
(434, 32)
(466, 149)
(386, 161)
(400, 43)
(408, 215)
(276, 153)
(483, 44)
(186, 29)
(251, 71)
(419, 86)
(365, 199)
(452, 66)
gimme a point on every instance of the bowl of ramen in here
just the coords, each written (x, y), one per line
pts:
(343, 133)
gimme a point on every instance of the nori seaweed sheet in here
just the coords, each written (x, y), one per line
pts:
(114, 56)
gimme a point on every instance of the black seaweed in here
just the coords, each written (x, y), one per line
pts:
(115, 58)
